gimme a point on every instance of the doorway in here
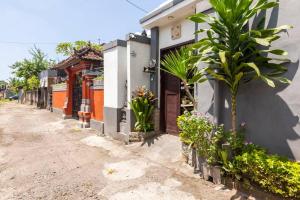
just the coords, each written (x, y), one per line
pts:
(172, 93)
(77, 95)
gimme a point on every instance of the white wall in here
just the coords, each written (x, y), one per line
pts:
(115, 77)
(136, 76)
(187, 33)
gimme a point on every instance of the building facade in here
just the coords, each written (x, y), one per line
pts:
(267, 112)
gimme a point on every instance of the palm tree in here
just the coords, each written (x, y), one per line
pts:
(177, 64)
(235, 52)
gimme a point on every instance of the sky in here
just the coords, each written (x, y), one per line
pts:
(44, 23)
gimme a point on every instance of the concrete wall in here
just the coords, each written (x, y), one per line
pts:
(97, 104)
(58, 99)
(205, 91)
(115, 72)
(136, 63)
(271, 115)
(187, 33)
(138, 57)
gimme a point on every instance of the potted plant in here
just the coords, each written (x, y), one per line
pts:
(142, 105)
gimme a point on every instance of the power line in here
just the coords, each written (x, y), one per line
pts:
(29, 43)
(33, 43)
(136, 6)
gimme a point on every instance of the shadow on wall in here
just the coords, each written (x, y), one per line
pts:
(270, 117)
(270, 120)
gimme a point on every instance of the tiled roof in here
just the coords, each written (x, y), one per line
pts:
(86, 53)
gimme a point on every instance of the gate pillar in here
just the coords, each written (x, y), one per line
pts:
(85, 108)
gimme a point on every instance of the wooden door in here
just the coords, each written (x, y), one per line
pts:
(172, 103)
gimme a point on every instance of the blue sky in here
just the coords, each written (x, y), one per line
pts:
(47, 22)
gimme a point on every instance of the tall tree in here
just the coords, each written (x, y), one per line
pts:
(67, 48)
(236, 52)
(28, 68)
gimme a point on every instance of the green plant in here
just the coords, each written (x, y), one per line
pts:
(188, 125)
(67, 48)
(33, 82)
(198, 131)
(177, 63)
(99, 78)
(142, 105)
(227, 164)
(273, 173)
(29, 69)
(236, 52)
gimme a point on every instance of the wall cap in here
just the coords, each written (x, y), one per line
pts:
(115, 43)
(138, 38)
(59, 87)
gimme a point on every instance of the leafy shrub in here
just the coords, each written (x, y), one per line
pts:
(198, 131)
(33, 82)
(142, 105)
(189, 125)
(271, 172)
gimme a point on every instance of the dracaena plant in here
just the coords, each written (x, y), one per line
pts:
(178, 64)
(236, 52)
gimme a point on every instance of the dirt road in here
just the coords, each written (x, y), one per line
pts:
(45, 157)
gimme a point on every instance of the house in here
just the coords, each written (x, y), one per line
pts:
(134, 62)
(271, 115)
(47, 79)
(77, 94)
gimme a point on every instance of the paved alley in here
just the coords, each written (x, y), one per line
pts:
(45, 157)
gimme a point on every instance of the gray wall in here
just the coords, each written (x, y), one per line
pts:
(271, 115)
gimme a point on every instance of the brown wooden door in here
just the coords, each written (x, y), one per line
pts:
(171, 113)
(172, 103)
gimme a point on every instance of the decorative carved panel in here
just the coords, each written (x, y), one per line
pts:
(176, 32)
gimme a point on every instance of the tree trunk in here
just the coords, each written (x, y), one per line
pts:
(233, 113)
(190, 96)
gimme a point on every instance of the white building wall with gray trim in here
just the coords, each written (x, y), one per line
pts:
(138, 55)
(115, 76)
(114, 84)
(187, 33)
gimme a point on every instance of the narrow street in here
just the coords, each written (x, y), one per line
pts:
(45, 157)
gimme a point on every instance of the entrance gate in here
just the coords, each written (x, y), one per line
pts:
(77, 95)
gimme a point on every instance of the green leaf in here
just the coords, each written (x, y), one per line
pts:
(268, 81)
(217, 76)
(224, 62)
(276, 52)
(282, 80)
(262, 41)
(237, 56)
(253, 66)
(237, 80)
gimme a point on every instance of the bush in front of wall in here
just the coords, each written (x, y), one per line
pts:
(199, 132)
(273, 173)
(142, 105)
